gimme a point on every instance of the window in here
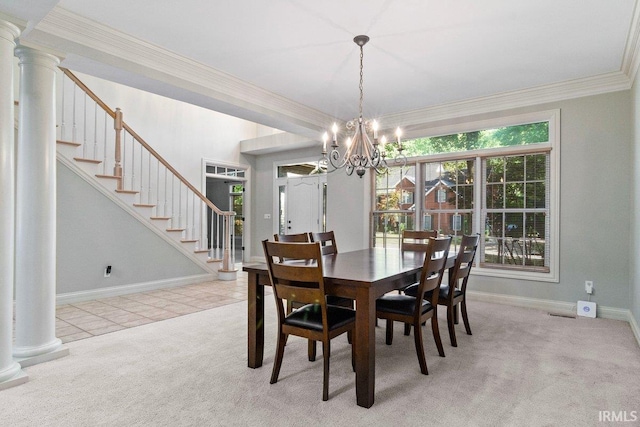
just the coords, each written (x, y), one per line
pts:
(395, 206)
(499, 181)
(516, 211)
(448, 201)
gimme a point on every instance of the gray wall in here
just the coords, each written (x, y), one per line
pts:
(595, 207)
(595, 170)
(93, 232)
(635, 210)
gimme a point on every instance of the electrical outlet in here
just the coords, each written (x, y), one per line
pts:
(107, 271)
(588, 286)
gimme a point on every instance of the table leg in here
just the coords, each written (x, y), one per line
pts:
(365, 343)
(255, 302)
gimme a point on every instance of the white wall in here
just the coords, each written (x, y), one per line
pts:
(345, 195)
(182, 133)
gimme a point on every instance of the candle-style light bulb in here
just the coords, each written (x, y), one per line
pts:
(325, 138)
(334, 129)
(348, 142)
(398, 135)
(375, 129)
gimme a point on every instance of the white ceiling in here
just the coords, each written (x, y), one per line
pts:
(422, 53)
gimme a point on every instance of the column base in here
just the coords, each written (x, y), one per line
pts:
(227, 275)
(33, 356)
(12, 377)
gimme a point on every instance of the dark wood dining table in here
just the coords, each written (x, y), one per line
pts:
(362, 275)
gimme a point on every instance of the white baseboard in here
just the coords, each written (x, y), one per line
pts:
(72, 297)
(559, 307)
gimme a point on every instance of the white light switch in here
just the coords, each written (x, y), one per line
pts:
(267, 216)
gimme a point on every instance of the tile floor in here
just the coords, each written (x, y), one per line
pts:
(90, 318)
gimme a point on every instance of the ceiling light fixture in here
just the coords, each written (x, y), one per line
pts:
(361, 153)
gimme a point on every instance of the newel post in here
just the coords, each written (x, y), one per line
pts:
(227, 272)
(117, 168)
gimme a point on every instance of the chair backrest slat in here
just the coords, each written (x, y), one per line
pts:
(327, 240)
(300, 237)
(416, 240)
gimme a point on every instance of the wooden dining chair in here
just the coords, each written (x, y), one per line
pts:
(416, 240)
(414, 310)
(454, 293)
(327, 240)
(292, 238)
(300, 277)
(328, 246)
(291, 305)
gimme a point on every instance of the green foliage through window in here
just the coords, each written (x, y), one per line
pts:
(532, 133)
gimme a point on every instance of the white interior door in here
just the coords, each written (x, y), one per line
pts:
(303, 205)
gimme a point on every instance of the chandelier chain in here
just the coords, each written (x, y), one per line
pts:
(361, 78)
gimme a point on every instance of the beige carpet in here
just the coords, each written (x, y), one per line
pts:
(521, 367)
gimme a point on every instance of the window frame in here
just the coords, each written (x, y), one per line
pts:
(552, 147)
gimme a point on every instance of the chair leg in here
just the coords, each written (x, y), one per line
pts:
(350, 337)
(451, 310)
(311, 350)
(465, 318)
(389, 339)
(326, 350)
(407, 329)
(456, 317)
(282, 339)
(417, 335)
(436, 334)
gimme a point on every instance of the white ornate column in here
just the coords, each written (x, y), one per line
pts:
(35, 264)
(10, 372)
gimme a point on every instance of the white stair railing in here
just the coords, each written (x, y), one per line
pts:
(141, 171)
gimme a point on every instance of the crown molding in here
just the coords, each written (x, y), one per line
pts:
(67, 30)
(611, 82)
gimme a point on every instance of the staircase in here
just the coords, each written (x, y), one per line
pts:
(95, 139)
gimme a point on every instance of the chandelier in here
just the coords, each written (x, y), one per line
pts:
(361, 152)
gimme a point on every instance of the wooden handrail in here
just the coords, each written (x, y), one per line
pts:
(142, 142)
(89, 92)
(175, 172)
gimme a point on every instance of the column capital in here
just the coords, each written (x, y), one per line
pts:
(8, 31)
(28, 55)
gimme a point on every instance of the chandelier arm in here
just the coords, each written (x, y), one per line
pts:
(335, 156)
(401, 158)
(368, 149)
